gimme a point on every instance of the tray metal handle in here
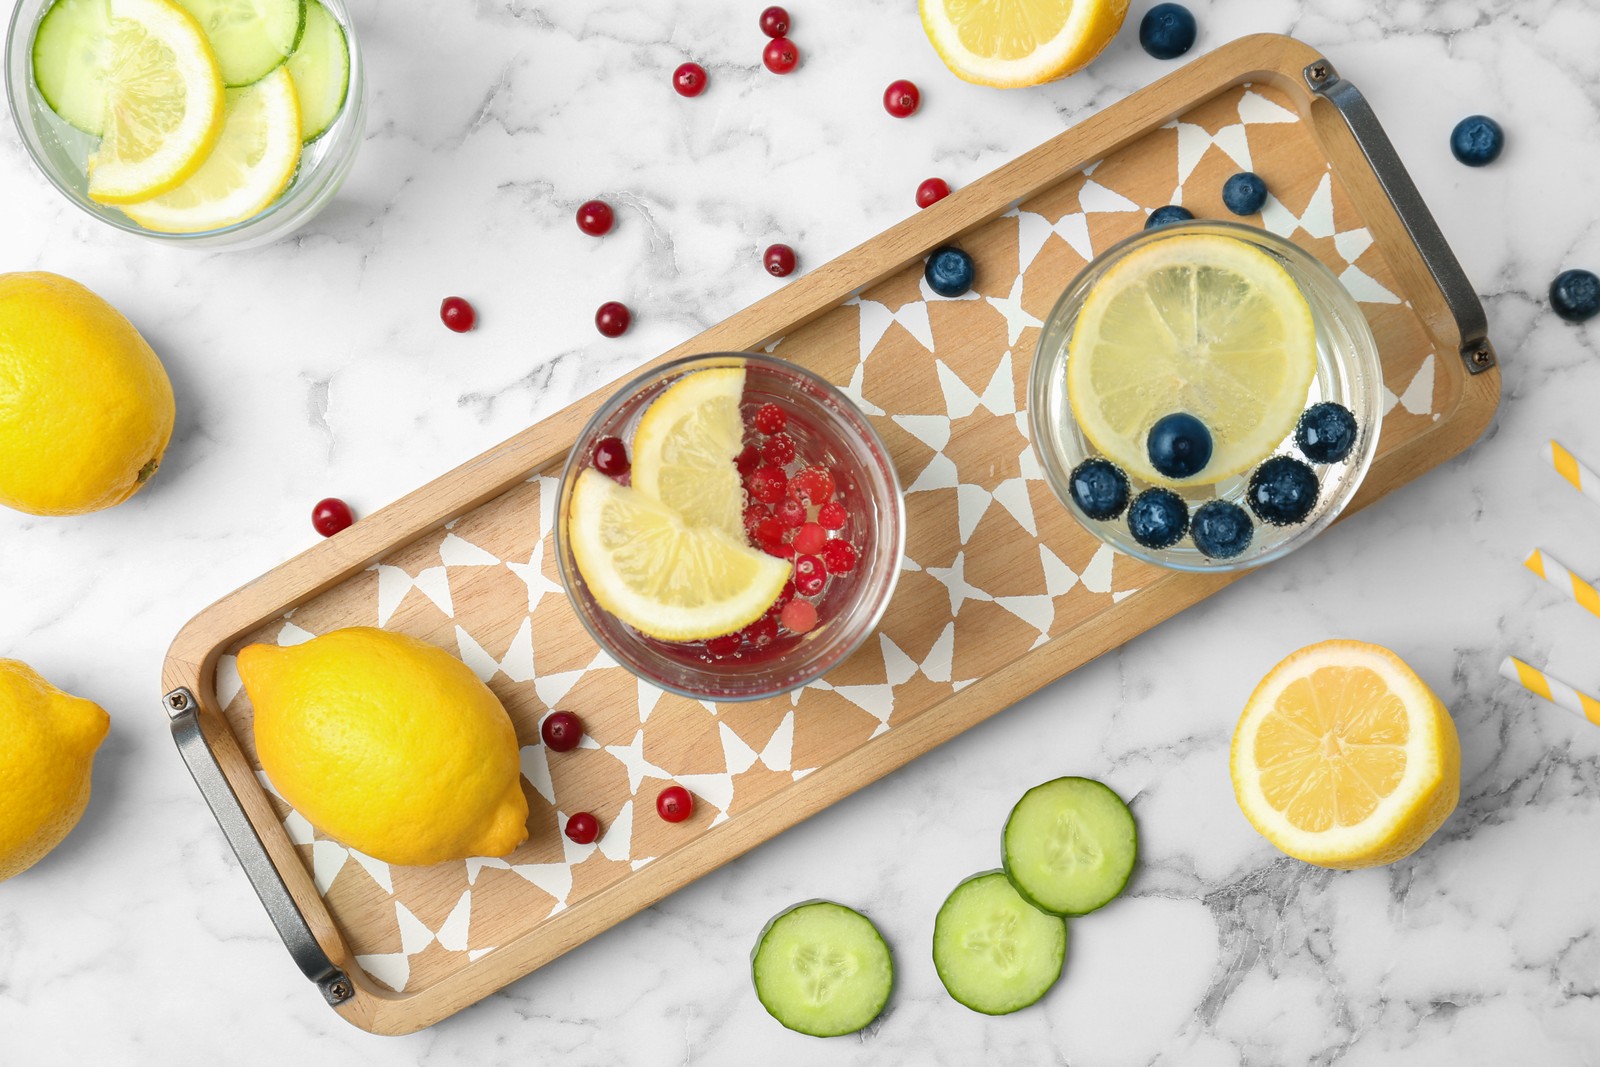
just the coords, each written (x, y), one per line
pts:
(183, 711)
(1459, 295)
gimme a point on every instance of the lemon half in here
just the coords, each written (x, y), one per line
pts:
(1345, 758)
(1195, 323)
(685, 447)
(1010, 43)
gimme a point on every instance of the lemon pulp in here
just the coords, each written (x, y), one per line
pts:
(685, 447)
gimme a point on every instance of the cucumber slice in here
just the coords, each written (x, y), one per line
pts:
(251, 38)
(320, 68)
(1069, 846)
(71, 54)
(995, 952)
(822, 969)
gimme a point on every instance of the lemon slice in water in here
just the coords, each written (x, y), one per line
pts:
(685, 447)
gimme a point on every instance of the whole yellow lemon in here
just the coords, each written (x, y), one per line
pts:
(389, 744)
(85, 406)
(47, 744)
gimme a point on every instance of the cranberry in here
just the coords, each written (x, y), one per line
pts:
(770, 418)
(583, 828)
(840, 556)
(689, 79)
(612, 319)
(767, 484)
(330, 516)
(752, 518)
(769, 531)
(778, 451)
(791, 513)
(901, 99)
(674, 803)
(611, 457)
(724, 646)
(779, 260)
(932, 191)
(596, 218)
(762, 632)
(561, 731)
(775, 22)
(457, 314)
(748, 459)
(810, 538)
(780, 55)
(832, 515)
(799, 616)
(779, 549)
(813, 485)
(810, 575)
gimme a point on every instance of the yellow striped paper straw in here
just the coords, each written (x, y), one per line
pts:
(1580, 477)
(1558, 574)
(1552, 689)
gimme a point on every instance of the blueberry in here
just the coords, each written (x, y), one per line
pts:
(1282, 491)
(1179, 445)
(1244, 193)
(1167, 31)
(1099, 488)
(1575, 295)
(1327, 432)
(949, 271)
(1477, 140)
(1158, 518)
(1165, 216)
(1222, 530)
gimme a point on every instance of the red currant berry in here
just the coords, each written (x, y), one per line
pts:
(778, 451)
(762, 632)
(330, 516)
(784, 596)
(724, 646)
(767, 484)
(775, 22)
(832, 515)
(611, 457)
(791, 513)
(749, 459)
(809, 539)
(770, 418)
(561, 731)
(840, 556)
(901, 99)
(798, 616)
(813, 485)
(674, 803)
(779, 549)
(932, 191)
(583, 828)
(810, 575)
(457, 314)
(752, 518)
(779, 260)
(596, 218)
(689, 79)
(780, 55)
(769, 531)
(613, 319)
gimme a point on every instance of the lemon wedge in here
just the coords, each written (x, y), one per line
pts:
(685, 447)
(1195, 323)
(663, 576)
(249, 168)
(164, 103)
(1345, 758)
(1009, 43)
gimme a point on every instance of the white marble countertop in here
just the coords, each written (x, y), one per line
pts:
(317, 366)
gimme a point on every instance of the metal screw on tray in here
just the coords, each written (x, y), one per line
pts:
(339, 991)
(178, 701)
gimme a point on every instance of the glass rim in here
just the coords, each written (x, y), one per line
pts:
(701, 361)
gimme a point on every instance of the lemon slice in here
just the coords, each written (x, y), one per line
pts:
(249, 168)
(1194, 323)
(1010, 43)
(662, 576)
(1345, 758)
(164, 103)
(685, 447)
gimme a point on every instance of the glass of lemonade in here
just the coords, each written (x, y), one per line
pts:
(1255, 341)
(61, 150)
(810, 491)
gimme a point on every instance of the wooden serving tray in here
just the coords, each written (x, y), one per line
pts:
(1002, 590)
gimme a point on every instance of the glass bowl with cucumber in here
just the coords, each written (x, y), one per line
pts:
(190, 122)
